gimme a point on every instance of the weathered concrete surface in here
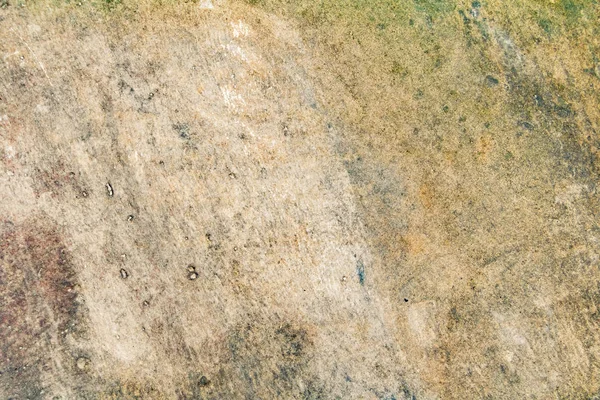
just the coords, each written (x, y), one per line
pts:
(370, 200)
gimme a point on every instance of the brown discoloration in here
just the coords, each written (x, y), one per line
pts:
(426, 195)
(415, 243)
(57, 180)
(266, 359)
(129, 390)
(39, 307)
(483, 147)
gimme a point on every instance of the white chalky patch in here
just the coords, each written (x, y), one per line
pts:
(206, 5)
(240, 29)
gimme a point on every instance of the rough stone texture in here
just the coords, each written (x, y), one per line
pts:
(299, 200)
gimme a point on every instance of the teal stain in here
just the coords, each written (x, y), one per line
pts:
(571, 8)
(360, 271)
(434, 8)
(546, 25)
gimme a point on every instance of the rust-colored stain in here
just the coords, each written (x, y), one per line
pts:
(39, 305)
